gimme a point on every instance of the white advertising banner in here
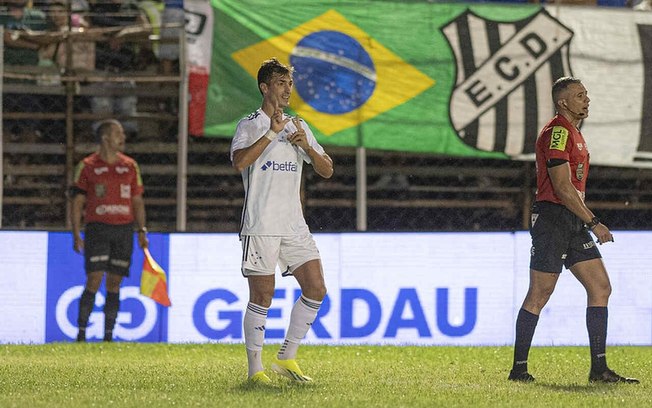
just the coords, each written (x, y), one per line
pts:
(408, 288)
(563, 321)
(383, 288)
(23, 279)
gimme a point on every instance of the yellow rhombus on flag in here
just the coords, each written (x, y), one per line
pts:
(153, 282)
(396, 80)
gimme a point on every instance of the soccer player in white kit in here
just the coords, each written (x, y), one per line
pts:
(269, 149)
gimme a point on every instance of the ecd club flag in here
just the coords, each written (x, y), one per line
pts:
(153, 282)
(444, 78)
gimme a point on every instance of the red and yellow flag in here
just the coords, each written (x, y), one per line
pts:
(153, 282)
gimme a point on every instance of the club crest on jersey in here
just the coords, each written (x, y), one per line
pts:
(533, 218)
(100, 190)
(579, 172)
(125, 190)
(497, 104)
(283, 136)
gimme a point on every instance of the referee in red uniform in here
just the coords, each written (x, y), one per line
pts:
(560, 227)
(108, 191)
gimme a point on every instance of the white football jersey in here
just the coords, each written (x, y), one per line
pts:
(272, 204)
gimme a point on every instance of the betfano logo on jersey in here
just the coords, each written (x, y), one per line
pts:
(501, 97)
(276, 166)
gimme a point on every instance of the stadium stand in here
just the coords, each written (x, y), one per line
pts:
(406, 192)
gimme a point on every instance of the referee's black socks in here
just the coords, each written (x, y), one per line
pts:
(526, 323)
(596, 324)
(86, 303)
(111, 308)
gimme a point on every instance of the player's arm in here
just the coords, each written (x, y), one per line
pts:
(78, 202)
(138, 205)
(322, 163)
(560, 176)
(243, 158)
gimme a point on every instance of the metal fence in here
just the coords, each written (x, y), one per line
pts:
(48, 116)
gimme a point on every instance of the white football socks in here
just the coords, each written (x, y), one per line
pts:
(254, 334)
(303, 315)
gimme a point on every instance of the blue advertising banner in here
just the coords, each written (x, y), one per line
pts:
(140, 318)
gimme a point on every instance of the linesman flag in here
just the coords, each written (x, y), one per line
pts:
(153, 282)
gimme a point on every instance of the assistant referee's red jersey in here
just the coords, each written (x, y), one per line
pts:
(109, 188)
(559, 139)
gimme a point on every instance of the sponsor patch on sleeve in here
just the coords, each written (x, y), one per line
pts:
(558, 138)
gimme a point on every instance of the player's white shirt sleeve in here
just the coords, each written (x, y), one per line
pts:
(272, 204)
(245, 134)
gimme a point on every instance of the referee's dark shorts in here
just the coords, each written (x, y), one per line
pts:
(108, 248)
(559, 238)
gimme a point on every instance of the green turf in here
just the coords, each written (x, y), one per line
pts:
(210, 375)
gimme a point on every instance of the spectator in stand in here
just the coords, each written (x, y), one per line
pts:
(167, 18)
(153, 10)
(20, 48)
(118, 55)
(55, 53)
(83, 50)
(173, 21)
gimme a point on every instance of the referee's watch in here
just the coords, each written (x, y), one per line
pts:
(142, 230)
(593, 223)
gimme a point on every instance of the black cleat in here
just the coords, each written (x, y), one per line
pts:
(609, 376)
(522, 376)
(108, 337)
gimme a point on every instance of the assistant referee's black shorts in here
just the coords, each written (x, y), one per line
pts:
(559, 238)
(108, 248)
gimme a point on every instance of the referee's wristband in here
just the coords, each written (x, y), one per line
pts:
(593, 223)
(270, 135)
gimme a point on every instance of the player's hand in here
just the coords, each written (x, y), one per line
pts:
(299, 137)
(602, 233)
(78, 244)
(277, 122)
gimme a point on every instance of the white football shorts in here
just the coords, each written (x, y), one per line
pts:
(261, 254)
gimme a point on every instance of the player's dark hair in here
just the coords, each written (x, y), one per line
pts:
(104, 128)
(560, 85)
(270, 67)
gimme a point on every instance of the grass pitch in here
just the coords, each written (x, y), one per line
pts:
(211, 375)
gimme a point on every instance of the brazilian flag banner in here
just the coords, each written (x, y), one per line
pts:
(450, 79)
